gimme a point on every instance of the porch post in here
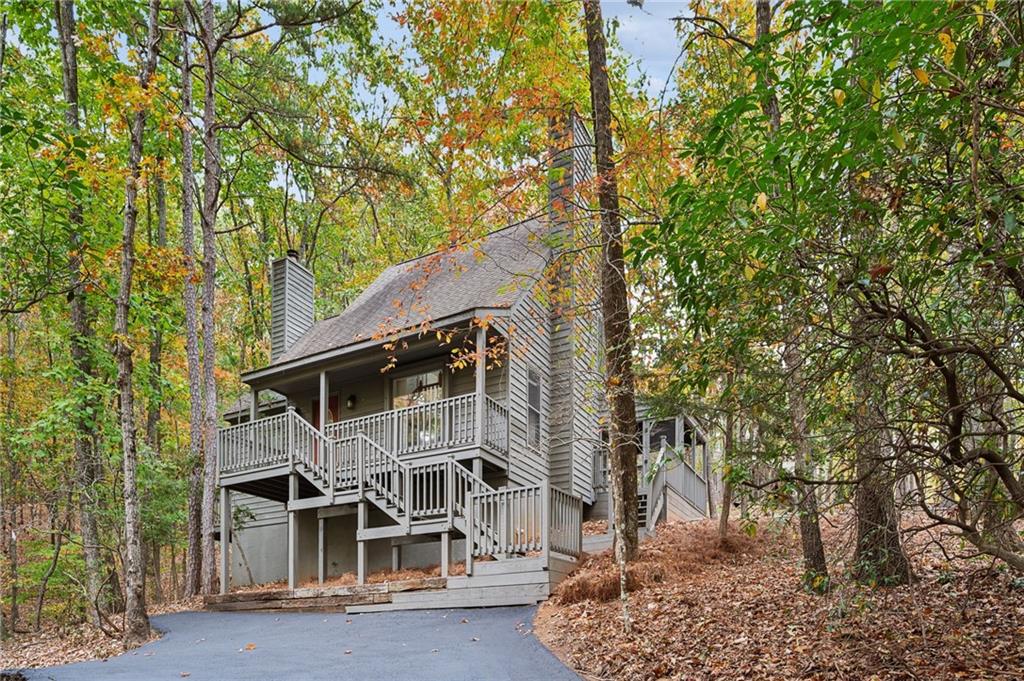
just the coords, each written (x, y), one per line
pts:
(254, 407)
(225, 539)
(321, 545)
(446, 552)
(481, 382)
(293, 532)
(396, 557)
(361, 544)
(324, 389)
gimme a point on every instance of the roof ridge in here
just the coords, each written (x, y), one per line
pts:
(438, 251)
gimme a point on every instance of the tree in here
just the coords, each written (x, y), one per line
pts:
(618, 343)
(136, 628)
(86, 462)
(194, 555)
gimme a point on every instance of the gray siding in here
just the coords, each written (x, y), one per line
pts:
(528, 346)
(577, 379)
(291, 305)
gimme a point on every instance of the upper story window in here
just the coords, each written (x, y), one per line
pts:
(662, 432)
(421, 388)
(533, 409)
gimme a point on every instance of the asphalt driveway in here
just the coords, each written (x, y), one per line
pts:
(487, 643)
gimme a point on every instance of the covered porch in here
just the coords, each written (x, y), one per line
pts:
(424, 402)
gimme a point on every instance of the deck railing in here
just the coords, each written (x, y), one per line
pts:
(251, 446)
(446, 424)
(540, 518)
(518, 520)
(565, 531)
(495, 433)
(694, 487)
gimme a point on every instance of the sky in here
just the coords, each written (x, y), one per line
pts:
(647, 35)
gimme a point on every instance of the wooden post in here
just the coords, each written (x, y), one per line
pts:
(324, 390)
(396, 557)
(545, 519)
(361, 545)
(446, 550)
(254, 408)
(481, 382)
(470, 534)
(291, 439)
(225, 539)
(293, 532)
(478, 467)
(321, 546)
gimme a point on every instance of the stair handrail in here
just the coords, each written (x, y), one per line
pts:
(379, 454)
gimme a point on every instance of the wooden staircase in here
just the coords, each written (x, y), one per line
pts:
(518, 541)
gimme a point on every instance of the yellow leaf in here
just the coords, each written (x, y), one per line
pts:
(922, 76)
(943, 124)
(948, 48)
(897, 139)
(749, 272)
(762, 201)
(876, 94)
(839, 96)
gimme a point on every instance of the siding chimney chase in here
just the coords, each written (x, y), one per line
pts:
(291, 303)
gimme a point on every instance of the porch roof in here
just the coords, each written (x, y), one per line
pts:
(489, 274)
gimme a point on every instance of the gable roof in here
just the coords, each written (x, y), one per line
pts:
(492, 273)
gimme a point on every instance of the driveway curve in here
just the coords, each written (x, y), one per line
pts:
(486, 643)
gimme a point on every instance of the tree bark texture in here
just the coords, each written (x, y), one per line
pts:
(194, 552)
(211, 197)
(87, 465)
(136, 621)
(618, 345)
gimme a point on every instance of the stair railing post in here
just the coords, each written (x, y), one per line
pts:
(360, 464)
(449, 489)
(331, 447)
(291, 438)
(545, 516)
(407, 491)
(470, 533)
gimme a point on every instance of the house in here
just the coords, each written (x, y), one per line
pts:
(451, 413)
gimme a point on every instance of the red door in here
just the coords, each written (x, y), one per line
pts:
(332, 416)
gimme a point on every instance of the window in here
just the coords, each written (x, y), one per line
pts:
(421, 388)
(533, 409)
(663, 431)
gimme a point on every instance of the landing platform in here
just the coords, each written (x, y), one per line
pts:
(521, 581)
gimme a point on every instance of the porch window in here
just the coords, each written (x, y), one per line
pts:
(422, 388)
(663, 431)
(418, 429)
(533, 409)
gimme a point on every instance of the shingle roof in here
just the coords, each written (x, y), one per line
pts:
(493, 272)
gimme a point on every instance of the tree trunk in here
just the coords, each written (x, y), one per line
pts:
(211, 193)
(7, 495)
(727, 458)
(620, 383)
(156, 343)
(136, 627)
(158, 581)
(815, 570)
(815, 575)
(879, 556)
(175, 592)
(87, 467)
(58, 543)
(3, 45)
(193, 557)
